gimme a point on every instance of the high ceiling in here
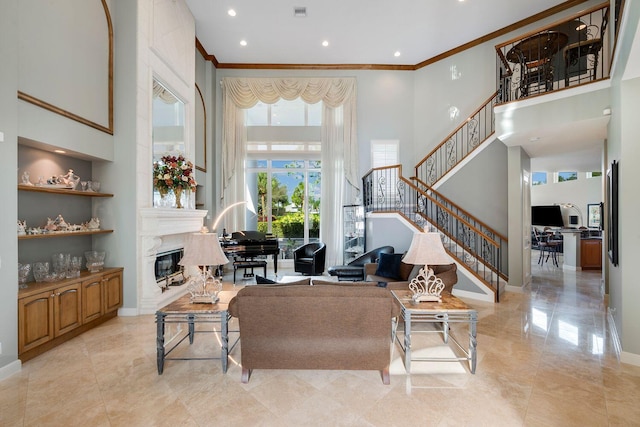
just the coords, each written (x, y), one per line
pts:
(357, 31)
(369, 32)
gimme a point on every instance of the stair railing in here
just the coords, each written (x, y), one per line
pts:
(471, 243)
(501, 240)
(459, 144)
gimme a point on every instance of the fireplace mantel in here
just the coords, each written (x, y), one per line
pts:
(161, 230)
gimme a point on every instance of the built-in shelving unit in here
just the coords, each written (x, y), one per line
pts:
(67, 191)
(63, 234)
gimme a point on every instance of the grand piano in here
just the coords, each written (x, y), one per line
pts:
(251, 244)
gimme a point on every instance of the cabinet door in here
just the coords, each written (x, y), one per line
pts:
(35, 321)
(112, 292)
(591, 254)
(92, 299)
(67, 308)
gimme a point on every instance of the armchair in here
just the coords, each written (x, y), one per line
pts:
(309, 259)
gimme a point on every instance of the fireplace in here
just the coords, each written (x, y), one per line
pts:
(163, 233)
(168, 271)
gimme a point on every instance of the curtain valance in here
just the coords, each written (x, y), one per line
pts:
(246, 92)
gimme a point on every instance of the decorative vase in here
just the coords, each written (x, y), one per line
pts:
(163, 192)
(178, 193)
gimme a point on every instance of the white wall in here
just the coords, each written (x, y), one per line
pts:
(66, 66)
(8, 214)
(622, 145)
(580, 192)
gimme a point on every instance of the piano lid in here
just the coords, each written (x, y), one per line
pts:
(250, 235)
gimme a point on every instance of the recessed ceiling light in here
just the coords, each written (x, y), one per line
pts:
(325, 43)
(396, 53)
(243, 42)
(231, 12)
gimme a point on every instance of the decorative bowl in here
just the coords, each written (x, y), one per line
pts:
(95, 260)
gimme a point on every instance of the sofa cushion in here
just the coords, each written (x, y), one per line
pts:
(389, 266)
(404, 271)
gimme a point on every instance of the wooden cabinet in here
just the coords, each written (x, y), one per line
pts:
(591, 254)
(47, 315)
(67, 309)
(92, 299)
(35, 321)
(112, 286)
(52, 313)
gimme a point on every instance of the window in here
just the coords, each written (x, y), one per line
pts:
(283, 170)
(384, 152)
(285, 113)
(288, 199)
(539, 178)
(567, 176)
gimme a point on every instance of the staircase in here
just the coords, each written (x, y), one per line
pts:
(476, 247)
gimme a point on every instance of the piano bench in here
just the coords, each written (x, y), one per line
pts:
(249, 264)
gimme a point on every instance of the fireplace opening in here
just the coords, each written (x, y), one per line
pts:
(168, 272)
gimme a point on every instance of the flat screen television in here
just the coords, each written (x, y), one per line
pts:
(547, 216)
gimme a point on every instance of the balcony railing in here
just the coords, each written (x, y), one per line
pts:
(568, 53)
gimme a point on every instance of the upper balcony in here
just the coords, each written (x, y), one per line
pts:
(565, 54)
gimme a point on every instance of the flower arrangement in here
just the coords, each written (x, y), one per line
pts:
(173, 173)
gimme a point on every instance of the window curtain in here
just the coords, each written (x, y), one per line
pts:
(339, 142)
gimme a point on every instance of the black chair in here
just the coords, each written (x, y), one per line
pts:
(354, 271)
(309, 259)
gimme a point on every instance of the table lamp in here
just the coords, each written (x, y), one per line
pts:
(203, 250)
(426, 249)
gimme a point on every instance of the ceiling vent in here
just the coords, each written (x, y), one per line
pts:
(299, 11)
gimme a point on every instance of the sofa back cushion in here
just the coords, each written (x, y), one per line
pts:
(314, 327)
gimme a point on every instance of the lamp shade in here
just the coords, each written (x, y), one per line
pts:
(427, 249)
(203, 249)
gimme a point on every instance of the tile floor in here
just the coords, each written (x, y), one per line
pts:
(545, 359)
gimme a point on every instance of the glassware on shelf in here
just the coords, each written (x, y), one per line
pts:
(59, 266)
(95, 186)
(95, 260)
(73, 267)
(23, 274)
(40, 271)
(83, 184)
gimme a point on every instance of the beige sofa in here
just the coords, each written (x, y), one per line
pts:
(314, 327)
(447, 273)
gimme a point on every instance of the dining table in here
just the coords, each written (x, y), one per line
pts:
(534, 55)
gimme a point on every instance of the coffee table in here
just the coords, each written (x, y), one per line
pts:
(183, 311)
(440, 314)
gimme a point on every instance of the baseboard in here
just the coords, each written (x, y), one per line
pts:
(613, 331)
(630, 358)
(515, 289)
(10, 369)
(127, 312)
(473, 295)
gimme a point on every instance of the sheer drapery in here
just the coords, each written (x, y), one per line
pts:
(339, 140)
